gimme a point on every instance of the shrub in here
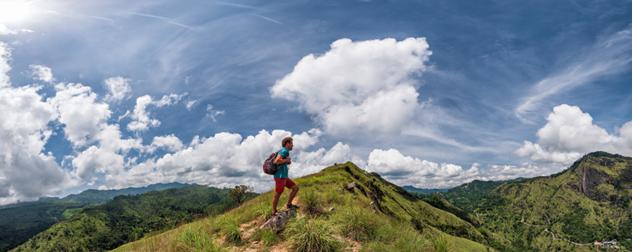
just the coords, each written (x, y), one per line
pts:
(312, 236)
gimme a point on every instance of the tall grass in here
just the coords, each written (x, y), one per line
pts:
(192, 239)
(312, 236)
(440, 243)
(266, 235)
(357, 223)
(311, 203)
(229, 228)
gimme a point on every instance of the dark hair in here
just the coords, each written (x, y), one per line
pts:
(285, 141)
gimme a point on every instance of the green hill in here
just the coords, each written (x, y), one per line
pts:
(21, 221)
(130, 217)
(373, 215)
(569, 211)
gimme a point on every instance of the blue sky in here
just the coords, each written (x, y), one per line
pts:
(508, 88)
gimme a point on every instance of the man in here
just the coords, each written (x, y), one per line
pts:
(281, 179)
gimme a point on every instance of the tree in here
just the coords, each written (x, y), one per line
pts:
(238, 194)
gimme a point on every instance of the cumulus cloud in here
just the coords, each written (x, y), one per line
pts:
(25, 171)
(141, 119)
(358, 85)
(5, 55)
(94, 161)
(226, 159)
(168, 142)
(42, 73)
(570, 133)
(79, 111)
(407, 170)
(118, 88)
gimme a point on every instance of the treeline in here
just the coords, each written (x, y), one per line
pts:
(128, 218)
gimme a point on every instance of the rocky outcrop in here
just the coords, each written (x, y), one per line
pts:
(590, 180)
(278, 221)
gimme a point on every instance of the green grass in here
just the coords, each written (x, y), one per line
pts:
(268, 236)
(359, 224)
(312, 236)
(230, 229)
(440, 244)
(311, 204)
(192, 239)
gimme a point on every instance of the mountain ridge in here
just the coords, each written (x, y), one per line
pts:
(570, 210)
(342, 207)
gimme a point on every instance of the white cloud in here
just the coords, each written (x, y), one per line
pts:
(212, 113)
(96, 161)
(25, 171)
(609, 55)
(358, 85)
(140, 116)
(407, 170)
(82, 116)
(42, 73)
(190, 104)
(168, 142)
(5, 55)
(226, 159)
(109, 138)
(570, 133)
(118, 88)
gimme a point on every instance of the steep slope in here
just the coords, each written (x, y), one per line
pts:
(127, 218)
(19, 222)
(590, 201)
(342, 207)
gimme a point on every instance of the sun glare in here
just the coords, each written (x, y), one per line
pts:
(15, 11)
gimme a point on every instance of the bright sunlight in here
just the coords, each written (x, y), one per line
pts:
(15, 11)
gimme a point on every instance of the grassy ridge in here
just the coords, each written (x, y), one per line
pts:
(374, 216)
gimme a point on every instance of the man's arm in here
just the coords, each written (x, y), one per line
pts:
(279, 160)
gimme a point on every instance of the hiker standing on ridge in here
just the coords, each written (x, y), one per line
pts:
(281, 178)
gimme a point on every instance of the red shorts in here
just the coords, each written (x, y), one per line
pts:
(280, 183)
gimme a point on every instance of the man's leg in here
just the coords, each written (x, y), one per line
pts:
(294, 188)
(292, 194)
(278, 190)
(275, 202)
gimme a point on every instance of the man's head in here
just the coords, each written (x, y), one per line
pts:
(287, 143)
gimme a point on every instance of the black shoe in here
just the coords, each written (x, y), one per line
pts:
(290, 206)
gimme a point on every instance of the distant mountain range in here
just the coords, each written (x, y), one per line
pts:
(413, 189)
(21, 221)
